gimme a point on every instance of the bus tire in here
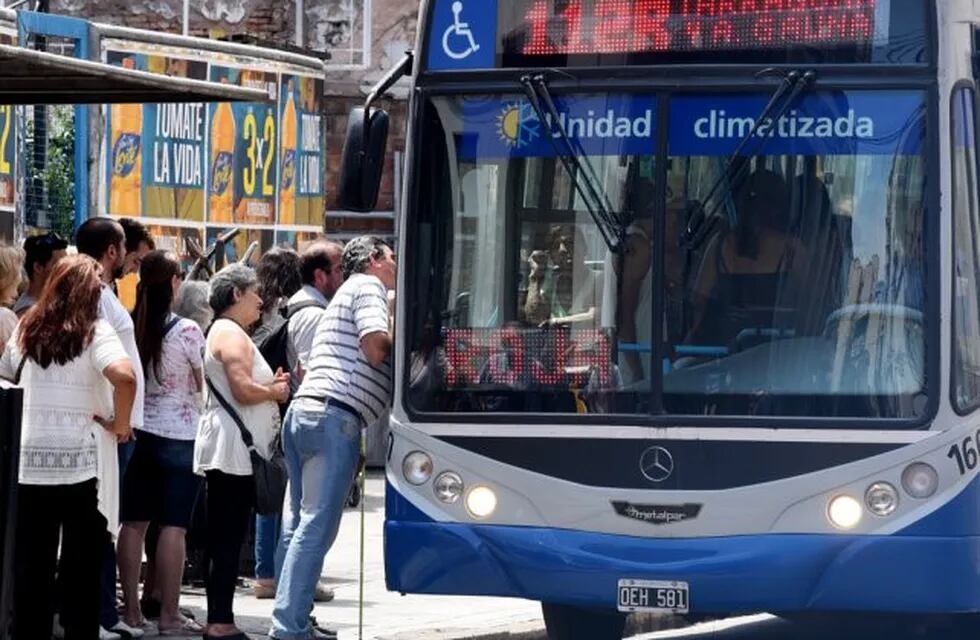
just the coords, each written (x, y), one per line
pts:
(565, 622)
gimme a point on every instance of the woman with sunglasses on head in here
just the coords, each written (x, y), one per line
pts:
(160, 485)
(75, 375)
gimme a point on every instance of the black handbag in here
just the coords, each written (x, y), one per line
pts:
(269, 476)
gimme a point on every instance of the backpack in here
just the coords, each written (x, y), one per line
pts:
(272, 338)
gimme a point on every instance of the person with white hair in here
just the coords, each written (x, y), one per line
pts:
(192, 303)
(238, 378)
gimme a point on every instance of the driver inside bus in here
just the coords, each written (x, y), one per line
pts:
(747, 279)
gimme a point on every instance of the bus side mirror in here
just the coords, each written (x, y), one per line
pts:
(362, 160)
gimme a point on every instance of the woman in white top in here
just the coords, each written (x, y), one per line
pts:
(236, 369)
(160, 484)
(73, 369)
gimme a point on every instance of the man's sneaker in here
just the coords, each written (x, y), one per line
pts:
(321, 633)
(105, 634)
(124, 630)
(323, 593)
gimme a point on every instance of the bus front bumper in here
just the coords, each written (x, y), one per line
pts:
(775, 573)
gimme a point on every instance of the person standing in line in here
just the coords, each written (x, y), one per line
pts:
(161, 485)
(322, 272)
(103, 238)
(236, 372)
(11, 259)
(75, 374)
(139, 242)
(41, 253)
(278, 273)
(347, 386)
(192, 303)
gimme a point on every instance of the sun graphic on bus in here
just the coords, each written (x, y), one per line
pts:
(517, 125)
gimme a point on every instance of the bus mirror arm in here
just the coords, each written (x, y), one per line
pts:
(403, 68)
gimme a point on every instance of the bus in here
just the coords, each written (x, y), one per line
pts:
(689, 307)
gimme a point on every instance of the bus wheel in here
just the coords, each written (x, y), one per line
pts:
(576, 623)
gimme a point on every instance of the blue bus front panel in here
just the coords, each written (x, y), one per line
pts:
(914, 570)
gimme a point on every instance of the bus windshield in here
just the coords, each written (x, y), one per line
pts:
(787, 281)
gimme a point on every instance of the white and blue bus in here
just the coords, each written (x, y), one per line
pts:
(689, 307)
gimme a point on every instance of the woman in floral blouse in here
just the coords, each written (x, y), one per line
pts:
(160, 485)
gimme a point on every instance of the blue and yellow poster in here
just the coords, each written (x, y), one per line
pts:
(8, 144)
(302, 141)
(156, 152)
(250, 132)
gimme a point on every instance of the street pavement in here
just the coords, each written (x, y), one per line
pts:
(387, 616)
(824, 627)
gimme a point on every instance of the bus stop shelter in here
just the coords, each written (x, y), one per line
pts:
(38, 77)
(30, 77)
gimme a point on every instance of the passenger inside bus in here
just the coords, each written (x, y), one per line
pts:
(748, 287)
(561, 288)
(633, 315)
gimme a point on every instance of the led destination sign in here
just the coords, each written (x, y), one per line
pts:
(483, 34)
(570, 27)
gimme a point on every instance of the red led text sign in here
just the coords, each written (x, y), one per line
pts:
(569, 27)
(528, 357)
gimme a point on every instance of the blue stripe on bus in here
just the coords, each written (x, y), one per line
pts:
(897, 573)
(818, 123)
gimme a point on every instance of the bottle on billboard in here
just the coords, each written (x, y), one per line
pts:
(125, 183)
(222, 153)
(287, 151)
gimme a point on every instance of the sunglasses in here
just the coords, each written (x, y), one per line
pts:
(50, 239)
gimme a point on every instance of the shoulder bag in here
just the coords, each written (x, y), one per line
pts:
(269, 476)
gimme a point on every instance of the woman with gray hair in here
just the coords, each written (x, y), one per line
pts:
(239, 380)
(192, 303)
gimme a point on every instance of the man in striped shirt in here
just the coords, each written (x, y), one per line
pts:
(347, 386)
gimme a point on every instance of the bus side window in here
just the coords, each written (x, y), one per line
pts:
(965, 389)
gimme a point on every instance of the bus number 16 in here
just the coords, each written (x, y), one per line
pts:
(965, 454)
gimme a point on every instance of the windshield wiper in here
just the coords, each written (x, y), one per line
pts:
(792, 85)
(579, 169)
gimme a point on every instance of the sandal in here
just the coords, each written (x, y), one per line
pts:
(188, 627)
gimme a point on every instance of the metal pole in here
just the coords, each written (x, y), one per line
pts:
(187, 17)
(300, 25)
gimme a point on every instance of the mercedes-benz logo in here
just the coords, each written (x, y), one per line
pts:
(656, 464)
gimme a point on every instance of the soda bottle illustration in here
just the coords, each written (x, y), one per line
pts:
(287, 151)
(125, 183)
(222, 153)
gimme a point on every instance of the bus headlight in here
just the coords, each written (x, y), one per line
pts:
(417, 467)
(844, 512)
(881, 498)
(481, 502)
(920, 480)
(448, 487)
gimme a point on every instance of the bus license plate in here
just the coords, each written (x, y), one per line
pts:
(653, 595)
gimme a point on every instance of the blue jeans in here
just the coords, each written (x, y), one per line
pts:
(267, 530)
(321, 447)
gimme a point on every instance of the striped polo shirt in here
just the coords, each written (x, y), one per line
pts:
(337, 367)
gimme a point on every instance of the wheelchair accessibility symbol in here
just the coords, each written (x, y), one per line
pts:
(457, 40)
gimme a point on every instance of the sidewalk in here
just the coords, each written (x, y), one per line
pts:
(387, 616)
